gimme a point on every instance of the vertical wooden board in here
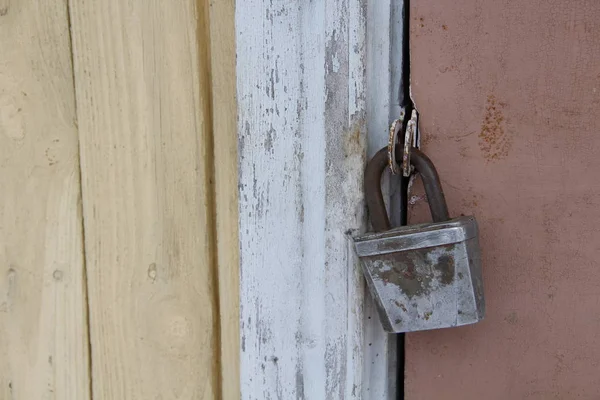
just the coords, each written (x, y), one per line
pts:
(301, 107)
(508, 93)
(144, 116)
(223, 83)
(43, 333)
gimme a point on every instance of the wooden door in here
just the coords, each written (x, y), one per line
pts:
(118, 230)
(508, 93)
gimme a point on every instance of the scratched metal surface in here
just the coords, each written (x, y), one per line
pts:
(508, 94)
(427, 279)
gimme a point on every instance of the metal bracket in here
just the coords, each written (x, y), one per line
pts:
(410, 137)
(395, 128)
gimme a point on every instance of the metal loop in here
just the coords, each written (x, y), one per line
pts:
(431, 181)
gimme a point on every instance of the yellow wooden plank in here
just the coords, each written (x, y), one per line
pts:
(43, 334)
(224, 108)
(144, 117)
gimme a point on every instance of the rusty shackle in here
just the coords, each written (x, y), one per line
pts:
(431, 181)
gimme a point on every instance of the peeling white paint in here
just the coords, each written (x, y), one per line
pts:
(384, 59)
(302, 119)
(302, 130)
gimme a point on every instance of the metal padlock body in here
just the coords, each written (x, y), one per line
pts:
(425, 276)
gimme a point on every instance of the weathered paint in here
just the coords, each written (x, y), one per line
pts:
(508, 93)
(301, 108)
(312, 77)
(384, 59)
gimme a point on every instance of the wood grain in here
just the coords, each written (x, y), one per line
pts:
(221, 20)
(43, 336)
(143, 100)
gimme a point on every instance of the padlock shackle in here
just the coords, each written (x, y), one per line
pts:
(431, 181)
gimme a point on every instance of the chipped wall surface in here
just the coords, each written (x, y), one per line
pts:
(301, 110)
(508, 94)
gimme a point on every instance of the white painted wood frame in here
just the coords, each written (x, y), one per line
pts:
(312, 78)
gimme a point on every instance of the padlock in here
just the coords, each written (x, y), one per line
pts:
(425, 276)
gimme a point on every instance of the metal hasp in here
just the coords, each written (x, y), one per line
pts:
(425, 276)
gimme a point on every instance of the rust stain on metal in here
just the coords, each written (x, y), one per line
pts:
(400, 274)
(471, 202)
(446, 266)
(401, 271)
(511, 318)
(401, 306)
(494, 142)
(409, 273)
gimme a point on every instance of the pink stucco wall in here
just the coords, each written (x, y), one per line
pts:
(509, 98)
